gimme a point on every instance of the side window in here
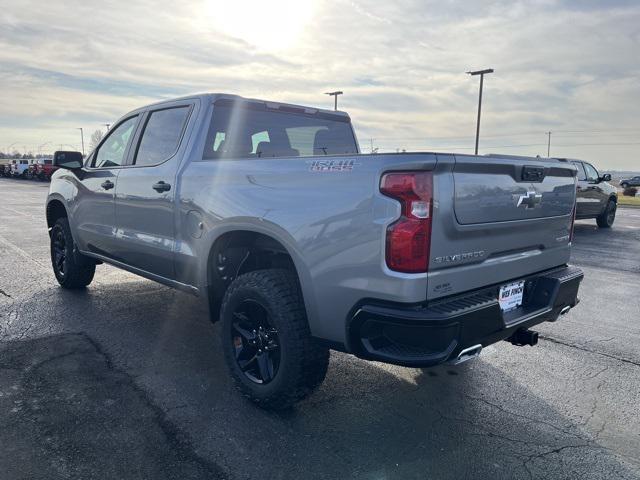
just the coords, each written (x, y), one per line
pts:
(581, 175)
(161, 135)
(111, 152)
(592, 173)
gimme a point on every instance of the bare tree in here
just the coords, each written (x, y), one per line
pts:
(95, 139)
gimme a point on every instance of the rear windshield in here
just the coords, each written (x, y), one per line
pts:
(243, 129)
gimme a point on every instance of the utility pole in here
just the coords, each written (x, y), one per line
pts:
(548, 144)
(81, 138)
(335, 97)
(482, 74)
(107, 125)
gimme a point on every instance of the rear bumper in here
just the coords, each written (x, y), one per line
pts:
(433, 333)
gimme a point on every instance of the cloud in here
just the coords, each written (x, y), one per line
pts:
(560, 65)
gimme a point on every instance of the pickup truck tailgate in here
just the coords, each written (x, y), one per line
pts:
(510, 217)
(490, 189)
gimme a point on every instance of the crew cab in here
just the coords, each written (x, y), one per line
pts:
(596, 197)
(301, 244)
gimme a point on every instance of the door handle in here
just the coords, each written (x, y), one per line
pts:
(161, 186)
(107, 185)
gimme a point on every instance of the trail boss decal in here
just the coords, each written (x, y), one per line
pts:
(332, 165)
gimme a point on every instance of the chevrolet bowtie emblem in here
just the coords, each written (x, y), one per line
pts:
(530, 200)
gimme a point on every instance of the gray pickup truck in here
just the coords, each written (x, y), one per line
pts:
(301, 244)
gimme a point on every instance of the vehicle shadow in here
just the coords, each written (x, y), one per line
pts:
(366, 421)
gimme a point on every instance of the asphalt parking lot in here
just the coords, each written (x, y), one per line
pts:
(127, 380)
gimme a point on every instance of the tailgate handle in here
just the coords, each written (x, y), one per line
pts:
(532, 174)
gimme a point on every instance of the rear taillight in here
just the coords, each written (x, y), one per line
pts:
(409, 237)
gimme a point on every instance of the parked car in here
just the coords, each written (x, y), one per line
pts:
(596, 198)
(8, 169)
(45, 169)
(300, 244)
(20, 168)
(630, 182)
(5, 167)
(30, 173)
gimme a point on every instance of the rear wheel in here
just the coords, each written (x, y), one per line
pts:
(608, 216)
(267, 344)
(72, 269)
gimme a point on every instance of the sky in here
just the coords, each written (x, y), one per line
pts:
(566, 66)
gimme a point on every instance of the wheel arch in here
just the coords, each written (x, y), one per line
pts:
(55, 209)
(244, 249)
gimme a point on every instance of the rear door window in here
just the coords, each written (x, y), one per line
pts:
(161, 136)
(581, 175)
(245, 129)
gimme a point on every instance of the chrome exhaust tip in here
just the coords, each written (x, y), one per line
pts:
(467, 354)
(565, 310)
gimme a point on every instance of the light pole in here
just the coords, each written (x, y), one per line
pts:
(81, 138)
(549, 144)
(335, 97)
(481, 73)
(107, 125)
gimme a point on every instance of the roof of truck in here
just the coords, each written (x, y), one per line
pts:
(212, 97)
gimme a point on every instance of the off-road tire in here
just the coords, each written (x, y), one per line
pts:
(608, 216)
(303, 360)
(78, 269)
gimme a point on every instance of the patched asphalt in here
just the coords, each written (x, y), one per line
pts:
(127, 380)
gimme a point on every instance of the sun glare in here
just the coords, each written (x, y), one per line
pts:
(266, 24)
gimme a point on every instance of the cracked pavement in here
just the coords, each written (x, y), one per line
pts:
(127, 380)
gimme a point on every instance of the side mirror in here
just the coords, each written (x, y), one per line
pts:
(68, 160)
(605, 177)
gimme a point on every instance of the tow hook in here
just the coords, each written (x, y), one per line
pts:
(523, 337)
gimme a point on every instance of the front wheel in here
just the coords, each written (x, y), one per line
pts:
(624, 185)
(267, 344)
(72, 269)
(607, 217)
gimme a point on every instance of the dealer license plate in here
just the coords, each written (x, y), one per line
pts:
(510, 295)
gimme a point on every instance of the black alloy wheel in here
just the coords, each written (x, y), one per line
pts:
(608, 216)
(59, 251)
(255, 342)
(72, 269)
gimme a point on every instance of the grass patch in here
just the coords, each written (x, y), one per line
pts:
(622, 200)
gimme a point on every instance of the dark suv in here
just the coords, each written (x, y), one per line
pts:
(596, 198)
(630, 182)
